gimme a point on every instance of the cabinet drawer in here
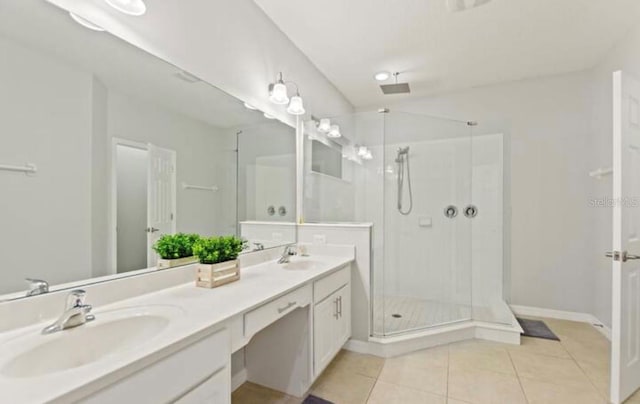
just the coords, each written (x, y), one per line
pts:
(214, 390)
(327, 285)
(266, 314)
(170, 377)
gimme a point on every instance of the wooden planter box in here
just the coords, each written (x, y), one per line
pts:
(214, 275)
(164, 264)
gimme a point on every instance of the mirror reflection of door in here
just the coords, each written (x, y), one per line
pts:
(145, 202)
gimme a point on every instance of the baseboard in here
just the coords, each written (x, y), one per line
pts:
(238, 379)
(562, 315)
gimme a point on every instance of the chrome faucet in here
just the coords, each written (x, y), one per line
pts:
(289, 250)
(37, 287)
(75, 313)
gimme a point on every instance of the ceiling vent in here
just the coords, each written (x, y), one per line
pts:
(461, 5)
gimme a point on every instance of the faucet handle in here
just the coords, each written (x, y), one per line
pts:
(76, 299)
(37, 286)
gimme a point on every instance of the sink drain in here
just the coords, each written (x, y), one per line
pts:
(396, 315)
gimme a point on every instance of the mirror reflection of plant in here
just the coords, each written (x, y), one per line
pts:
(213, 250)
(174, 246)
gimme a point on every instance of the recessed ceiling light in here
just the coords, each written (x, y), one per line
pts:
(249, 106)
(268, 116)
(382, 76)
(85, 23)
(131, 7)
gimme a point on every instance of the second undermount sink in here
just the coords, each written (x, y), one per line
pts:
(112, 332)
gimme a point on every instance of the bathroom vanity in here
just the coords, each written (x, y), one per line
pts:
(287, 321)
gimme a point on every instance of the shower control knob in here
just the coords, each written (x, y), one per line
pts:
(471, 211)
(451, 211)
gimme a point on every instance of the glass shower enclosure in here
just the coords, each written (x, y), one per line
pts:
(433, 189)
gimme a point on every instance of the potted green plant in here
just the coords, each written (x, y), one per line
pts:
(218, 257)
(175, 250)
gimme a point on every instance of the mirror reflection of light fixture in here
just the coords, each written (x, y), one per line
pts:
(362, 151)
(278, 92)
(85, 23)
(296, 106)
(131, 7)
(278, 95)
(368, 155)
(268, 116)
(325, 125)
(334, 132)
(249, 106)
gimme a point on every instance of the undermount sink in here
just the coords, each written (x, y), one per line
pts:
(300, 264)
(112, 332)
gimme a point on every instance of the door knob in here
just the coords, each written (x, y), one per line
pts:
(624, 256)
(152, 230)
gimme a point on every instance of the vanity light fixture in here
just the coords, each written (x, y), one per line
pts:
(278, 95)
(249, 106)
(368, 155)
(334, 132)
(325, 125)
(278, 92)
(382, 76)
(362, 151)
(131, 7)
(268, 116)
(296, 107)
(85, 23)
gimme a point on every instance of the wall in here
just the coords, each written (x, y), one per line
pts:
(45, 222)
(230, 44)
(548, 125)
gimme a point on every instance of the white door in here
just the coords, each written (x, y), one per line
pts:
(161, 197)
(625, 333)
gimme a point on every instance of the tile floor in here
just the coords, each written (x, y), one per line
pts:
(574, 370)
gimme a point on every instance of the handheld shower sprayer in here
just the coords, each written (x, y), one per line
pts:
(402, 159)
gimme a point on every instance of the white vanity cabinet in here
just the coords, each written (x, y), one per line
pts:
(199, 373)
(331, 317)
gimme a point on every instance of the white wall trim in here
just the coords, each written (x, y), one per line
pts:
(563, 315)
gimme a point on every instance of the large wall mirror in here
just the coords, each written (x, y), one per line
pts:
(104, 148)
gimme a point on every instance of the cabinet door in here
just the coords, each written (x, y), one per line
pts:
(325, 317)
(343, 323)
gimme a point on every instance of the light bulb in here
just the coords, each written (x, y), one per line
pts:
(296, 106)
(368, 155)
(325, 125)
(85, 23)
(382, 76)
(334, 132)
(362, 151)
(131, 7)
(279, 94)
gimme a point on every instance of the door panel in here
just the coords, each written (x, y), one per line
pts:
(625, 348)
(161, 197)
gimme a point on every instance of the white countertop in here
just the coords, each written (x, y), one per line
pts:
(204, 310)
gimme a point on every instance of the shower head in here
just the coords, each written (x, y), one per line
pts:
(397, 88)
(402, 151)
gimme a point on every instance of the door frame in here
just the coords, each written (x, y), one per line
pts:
(113, 220)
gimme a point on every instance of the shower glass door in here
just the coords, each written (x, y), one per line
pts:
(426, 276)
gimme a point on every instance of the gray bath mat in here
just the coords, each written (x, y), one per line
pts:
(536, 329)
(315, 400)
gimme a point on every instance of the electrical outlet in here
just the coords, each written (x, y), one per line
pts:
(319, 239)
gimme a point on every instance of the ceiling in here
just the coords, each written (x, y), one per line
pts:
(438, 51)
(119, 65)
